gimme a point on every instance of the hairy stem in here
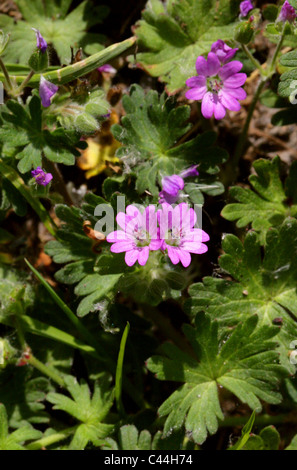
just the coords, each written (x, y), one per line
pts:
(24, 83)
(243, 137)
(252, 58)
(58, 182)
(51, 373)
(6, 75)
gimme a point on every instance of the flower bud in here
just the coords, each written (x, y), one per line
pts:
(244, 32)
(7, 352)
(39, 61)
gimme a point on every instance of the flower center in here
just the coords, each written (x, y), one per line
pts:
(214, 84)
(174, 236)
(141, 236)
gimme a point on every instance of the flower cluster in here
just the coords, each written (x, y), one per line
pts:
(168, 229)
(41, 177)
(218, 83)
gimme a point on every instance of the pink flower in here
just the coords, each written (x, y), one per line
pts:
(172, 185)
(178, 236)
(287, 13)
(223, 52)
(140, 234)
(107, 68)
(245, 8)
(219, 87)
(46, 91)
(41, 177)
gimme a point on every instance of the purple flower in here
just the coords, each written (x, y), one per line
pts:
(46, 91)
(172, 185)
(245, 8)
(178, 235)
(140, 234)
(223, 52)
(190, 172)
(219, 87)
(41, 177)
(41, 42)
(287, 13)
(107, 68)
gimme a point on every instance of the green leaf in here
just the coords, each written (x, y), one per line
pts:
(150, 132)
(59, 29)
(90, 412)
(287, 85)
(129, 438)
(13, 284)
(18, 438)
(266, 205)
(245, 364)
(245, 433)
(119, 370)
(265, 286)
(268, 439)
(22, 136)
(23, 396)
(173, 34)
(293, 445)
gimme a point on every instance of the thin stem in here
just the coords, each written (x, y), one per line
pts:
(52, 439)
(24, 83)
(262, 420)
(252, 58)
(275, 55)
(242, 139)
(51, 373)
(58, 182)
(5, 73)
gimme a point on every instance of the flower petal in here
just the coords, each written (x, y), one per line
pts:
(228, 101)
(196, 82)
(230, 69)
(218, 108)
(207, 105)
(235, 81)
(213, 64)
(185, 258)
(131, 257)
(201, 66)
(143, 255)
(172, 253)
(120, 247)
(46, 91)
(196, 93)
(237, 93)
